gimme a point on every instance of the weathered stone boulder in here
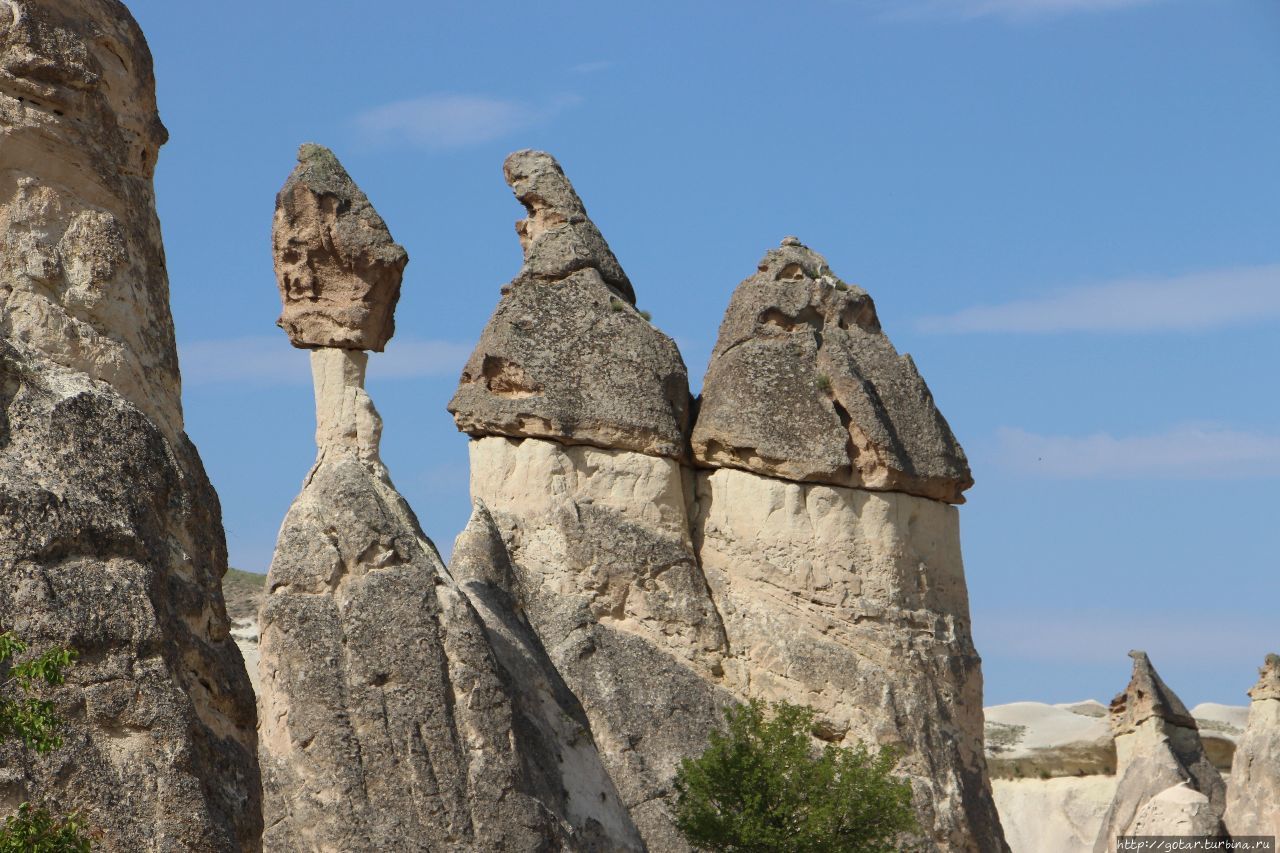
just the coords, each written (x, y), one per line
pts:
(566, 356)
(1253, 798)
(111, 538)
(805, 386)
(1180, 810)
(338, 269)
(1157, 748)
(386, 724)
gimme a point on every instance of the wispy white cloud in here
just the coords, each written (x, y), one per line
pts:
(449, 120)
(270, 360)
(592, 67)
(1195, 302)
(1008, 9)
(1186, 452)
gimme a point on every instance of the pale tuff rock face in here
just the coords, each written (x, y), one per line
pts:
(560, 755)
(1180, 810)
(1253, 799)
(605, 571)
(113, 539)
(566, 356)
(856, 601)
(804, 385)
(338, 269)
(84, 279)
(346, 421)
(1158, 747)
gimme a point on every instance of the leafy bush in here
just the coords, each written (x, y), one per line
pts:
(32, 720)
(761, 786)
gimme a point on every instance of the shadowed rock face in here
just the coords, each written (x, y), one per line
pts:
(1253, 800)
(566, 356)
(1158, 748)
(113, 542)
(804, 385)
(338, 269)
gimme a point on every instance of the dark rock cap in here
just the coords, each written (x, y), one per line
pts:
(566, 356)
(1146, 697)
(805, 386)
(1268, 686)
(337, 267)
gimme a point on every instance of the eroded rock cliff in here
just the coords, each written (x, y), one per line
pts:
(112, 537)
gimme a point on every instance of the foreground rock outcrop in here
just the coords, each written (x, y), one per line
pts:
(853, 598)
(1253, 798)
(112, 536)
(1158, 748)
(388, 723)
(733, 581)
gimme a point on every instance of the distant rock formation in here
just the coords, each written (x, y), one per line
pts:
(1253, 798)
(388, 724)
(113, 540)
(338, 268)
(734, 582)
(853, 598)
(803, 385)
(1157, 748)
(578, 409)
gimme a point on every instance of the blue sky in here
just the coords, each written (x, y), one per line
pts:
(1066, 211)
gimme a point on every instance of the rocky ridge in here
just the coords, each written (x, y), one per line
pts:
(1253, 798)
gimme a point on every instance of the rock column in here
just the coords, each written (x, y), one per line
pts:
(387, 722)
(825, 531)
(1253, 798)
(112, 539)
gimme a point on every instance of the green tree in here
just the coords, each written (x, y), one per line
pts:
(26, 717)
(761, 786)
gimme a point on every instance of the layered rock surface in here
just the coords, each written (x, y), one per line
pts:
(113, 541)
(338, 269)
(1157, 748)
(804, 385)
(1253, 799)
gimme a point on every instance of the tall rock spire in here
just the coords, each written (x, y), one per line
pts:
(578, 409)
(1167, 785)
(387, 722)
(824, 532)
(113, 541)
(1253, 798)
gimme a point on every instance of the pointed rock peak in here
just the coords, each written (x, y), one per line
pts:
(337, 267)
(1268, 686)
(557, 236)
(479, 554)
(1147, 696)
(804, 385)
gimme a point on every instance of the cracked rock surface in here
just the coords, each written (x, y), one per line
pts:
(805, 386)
(338, 269)
(1253, 799)
(566, 356)
(112, 538)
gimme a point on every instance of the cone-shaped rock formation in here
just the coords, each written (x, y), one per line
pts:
(566, 356)
(1158, 748)
(388, 724)
(853, 598)
(1253, 798)
(113, 541)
